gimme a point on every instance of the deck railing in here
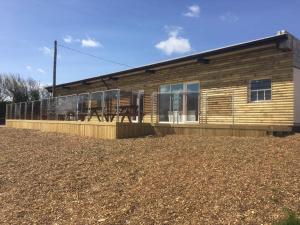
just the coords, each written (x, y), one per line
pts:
(108, 106)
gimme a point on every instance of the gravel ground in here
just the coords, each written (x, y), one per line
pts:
(48, 178)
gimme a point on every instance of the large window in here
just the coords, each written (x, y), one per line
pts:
(260, 90)
(178, 103)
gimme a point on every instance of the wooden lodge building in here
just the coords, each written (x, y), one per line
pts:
(251, 88)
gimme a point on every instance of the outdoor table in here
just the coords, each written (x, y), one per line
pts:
(125, 111)
(94, 111)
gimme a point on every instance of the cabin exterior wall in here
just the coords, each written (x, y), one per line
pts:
(226, 75)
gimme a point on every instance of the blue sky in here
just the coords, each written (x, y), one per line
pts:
(132, 32)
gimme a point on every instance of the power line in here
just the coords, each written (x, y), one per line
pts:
(94, 56)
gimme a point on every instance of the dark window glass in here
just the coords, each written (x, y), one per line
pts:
(164, 106)
(261, 95)
(192, 101)
(268, 95)
(260, 84)
(253, 96)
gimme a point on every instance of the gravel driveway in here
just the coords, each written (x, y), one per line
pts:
(48, 178)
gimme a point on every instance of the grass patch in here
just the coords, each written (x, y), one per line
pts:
(291, 219)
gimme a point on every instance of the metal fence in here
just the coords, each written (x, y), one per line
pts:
(106, 106)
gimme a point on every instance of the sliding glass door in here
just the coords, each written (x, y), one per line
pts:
(176, 111)
(178, 103)
(164, 97)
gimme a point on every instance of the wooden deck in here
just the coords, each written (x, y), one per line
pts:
(103, 130)
(114, 130)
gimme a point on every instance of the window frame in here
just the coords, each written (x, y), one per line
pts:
(184, 104)
(264, 90)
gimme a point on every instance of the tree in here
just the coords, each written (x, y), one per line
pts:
(17, 89)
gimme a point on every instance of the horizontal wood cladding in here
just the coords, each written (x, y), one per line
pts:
(227, 74)
(219, 105)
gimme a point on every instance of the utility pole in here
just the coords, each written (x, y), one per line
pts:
(54, 68)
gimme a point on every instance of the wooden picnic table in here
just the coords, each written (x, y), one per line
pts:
(128, 111)
(94, 111)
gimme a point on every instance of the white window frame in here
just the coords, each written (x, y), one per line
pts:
(139, 93)
(264, 90)
(184, 103)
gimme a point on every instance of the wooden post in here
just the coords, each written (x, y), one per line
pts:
(54, 68)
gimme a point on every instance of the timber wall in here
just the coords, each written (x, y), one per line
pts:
(228, 74)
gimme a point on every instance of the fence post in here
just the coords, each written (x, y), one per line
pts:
(77, 107)
(157, 107)
(11, 112)
(89, 105)
(41, 110)
(20, 111)
(232, 105)
(47, 108)
(139, 105)
(152, 107)
(32, 103)
(102, 105)
(206, 107)
(55, 108)
(25, 111)
(118, 104)
(6, 111)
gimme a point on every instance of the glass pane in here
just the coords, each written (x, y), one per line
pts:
(13, 111)
(7, 115)
(165, 88)
(29, 111)
(97, 100)
(141, 103)
(83, 106)
(253, 96)
(192, 101)
(51, 109)
(43, 108)
(37, 111)
(22, 110)
(164, 106)
(175, 88)
(175, 115)
(110, 101)
(261, 95)
(18, 111)
(268, 95)
(260, 84)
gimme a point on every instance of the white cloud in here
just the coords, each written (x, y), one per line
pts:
(90, 43)
(175, 43)
(28, 67)
(45, 50)
(229, 17)
(68, 39)
(40, 70)
(193, 11)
